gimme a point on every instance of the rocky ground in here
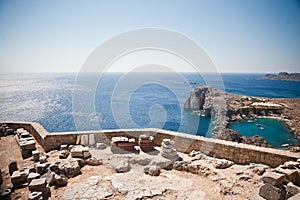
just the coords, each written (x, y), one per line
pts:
(135, 175)
(224, 108)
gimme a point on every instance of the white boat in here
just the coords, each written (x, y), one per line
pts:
(285, 145)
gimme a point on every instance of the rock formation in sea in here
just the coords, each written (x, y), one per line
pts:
(225, 107)
(283, 76)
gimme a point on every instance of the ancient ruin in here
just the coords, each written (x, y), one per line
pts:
(108, 164)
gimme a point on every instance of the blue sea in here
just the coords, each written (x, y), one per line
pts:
(70, 101)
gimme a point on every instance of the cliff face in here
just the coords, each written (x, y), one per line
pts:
(211, 102)
(224, 107)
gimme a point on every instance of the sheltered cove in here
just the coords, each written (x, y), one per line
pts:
(225, 107)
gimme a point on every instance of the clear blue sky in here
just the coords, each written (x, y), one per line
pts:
(239, 35)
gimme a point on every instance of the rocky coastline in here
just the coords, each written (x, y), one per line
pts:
(223, 108)
(283, 76)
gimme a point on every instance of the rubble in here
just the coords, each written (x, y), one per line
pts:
(282, 183)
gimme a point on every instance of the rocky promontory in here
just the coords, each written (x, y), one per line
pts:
(223, 107)
(283, 76)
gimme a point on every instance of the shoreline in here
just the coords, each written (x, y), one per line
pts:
(224, 108)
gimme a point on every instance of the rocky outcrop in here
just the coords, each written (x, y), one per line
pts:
(209, 102)
(224, 107)
(235, 136)
(283, 76)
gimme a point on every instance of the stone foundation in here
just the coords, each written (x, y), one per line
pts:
(236, 152)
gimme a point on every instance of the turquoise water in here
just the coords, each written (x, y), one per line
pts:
(274, 131)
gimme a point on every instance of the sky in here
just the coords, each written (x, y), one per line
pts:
(238, 35)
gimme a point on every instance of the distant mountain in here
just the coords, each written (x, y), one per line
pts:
(283, 76)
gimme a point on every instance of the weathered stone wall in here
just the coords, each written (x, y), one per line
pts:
(239, 153)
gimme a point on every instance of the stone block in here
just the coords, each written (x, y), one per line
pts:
(43, 159)
(5, 194)
(27, 145)
(292, 189)
(40, 185)
(101, 146)
(60, 181)
(37, 184)
(36, 156)
(49, 176)
(271, 192)
(273, 178)
(84, 140)
(291, 165)
(86, 154)
(63, 147)
(19, 179)
(63, 154)
(12, 166)
(290, 174)
(41, 168)
(295, 197)
(35, 196)
(32, 176)
(92, 140)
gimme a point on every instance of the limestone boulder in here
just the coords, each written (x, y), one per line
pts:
(223, 164)
(273, 178)
(271, 192)
(164, 163)
(94, 161)
(122, 166)
(292, 189)
(60, 181)
(49, 176)
(152, 170)
(69, 168)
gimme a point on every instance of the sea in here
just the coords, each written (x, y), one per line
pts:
(63, 102)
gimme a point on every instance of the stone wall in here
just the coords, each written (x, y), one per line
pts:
(239, 153)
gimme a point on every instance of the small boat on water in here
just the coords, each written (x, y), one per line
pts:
(285, 145)
(250, 121)
(260, 126)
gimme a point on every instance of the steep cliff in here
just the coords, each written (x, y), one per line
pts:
(224, 107)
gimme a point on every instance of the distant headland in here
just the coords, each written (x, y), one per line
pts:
(283, 76)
